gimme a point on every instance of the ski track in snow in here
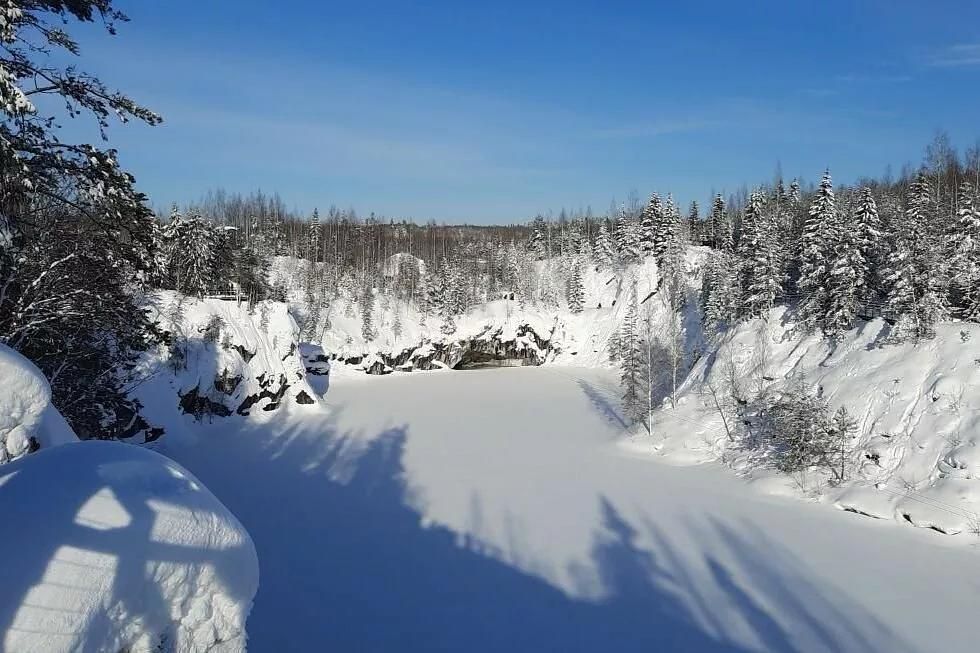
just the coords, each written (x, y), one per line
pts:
(494, 511)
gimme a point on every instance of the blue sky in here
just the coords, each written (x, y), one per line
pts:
(491, 112)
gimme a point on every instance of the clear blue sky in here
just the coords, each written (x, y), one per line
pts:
(493, 111)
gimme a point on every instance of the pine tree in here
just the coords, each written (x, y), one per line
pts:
(650, 221)
(189, 251)
(631, 357)
(537, 243)
(794, 195)
(396, 325)
(720, 293)
(667, 234)
(313, 237)
(603, 252)
(842, 430)
(627, 237)
(760, 259)
(693, 227)
(913, 273)
(963, 255)
(869, 236)
(721, 228)
(845, 281)
(815, 254)
(576, 291)
(367, 313)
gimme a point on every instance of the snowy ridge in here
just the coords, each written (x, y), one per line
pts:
(221, 360)
(915, 456)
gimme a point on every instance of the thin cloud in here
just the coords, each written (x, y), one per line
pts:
(862, 78)
(657, 128)
(963, 54)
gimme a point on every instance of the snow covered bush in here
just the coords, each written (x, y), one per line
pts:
(28, 421)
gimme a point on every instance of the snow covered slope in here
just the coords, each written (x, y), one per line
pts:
(221, 361)
(112, 547)
(28, 420)
(916, 454)
(559, 336)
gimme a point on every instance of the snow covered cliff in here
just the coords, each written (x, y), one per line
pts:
(220, 359)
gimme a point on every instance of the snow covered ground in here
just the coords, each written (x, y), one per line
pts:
(495, 510)
(112, 547)
(107, 546)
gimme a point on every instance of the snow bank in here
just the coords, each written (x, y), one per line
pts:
(119, 549)
(916, 455)
(28, 420)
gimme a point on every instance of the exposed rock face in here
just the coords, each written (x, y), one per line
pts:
(489, 348)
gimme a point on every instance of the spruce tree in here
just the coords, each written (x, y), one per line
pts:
(913, 273)
(603, 252)
(367, 313)
(631, 360)
(846, 278)
(869, 236)
(815, 253)
(667, 234)
(313, 237)
(650, 221)
(576, 290)
(760, 259)
(963, 255)
(627, 237)
(720, 226)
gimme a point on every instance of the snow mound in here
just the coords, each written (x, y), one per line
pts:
(118, 548)
(28, 420)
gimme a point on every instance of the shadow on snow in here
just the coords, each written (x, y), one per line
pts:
(346, 565)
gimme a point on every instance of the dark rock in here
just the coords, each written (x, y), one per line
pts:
(198, 405)
(226, 383)
(303, 398)
(244, 353)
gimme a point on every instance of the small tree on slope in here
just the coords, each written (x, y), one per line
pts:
(632, 366)
(576, 291)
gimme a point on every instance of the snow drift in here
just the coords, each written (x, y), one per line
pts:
(118, 548)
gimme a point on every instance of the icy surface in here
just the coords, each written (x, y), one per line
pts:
(26, 412)
(111, 547)
(495, 510)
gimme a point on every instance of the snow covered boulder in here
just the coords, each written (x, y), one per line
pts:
(28, 421)
(112, 547)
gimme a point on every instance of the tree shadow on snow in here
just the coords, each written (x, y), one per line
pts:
(348, 566)
(35, 545)
(606, 404)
